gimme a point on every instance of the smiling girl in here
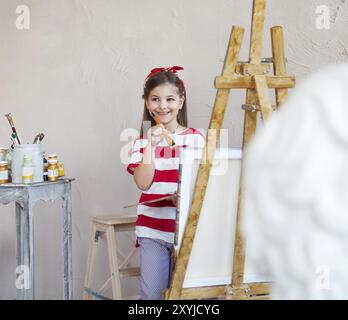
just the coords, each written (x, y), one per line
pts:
(155, 165)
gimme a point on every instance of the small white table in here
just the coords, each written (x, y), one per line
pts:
(25, 197)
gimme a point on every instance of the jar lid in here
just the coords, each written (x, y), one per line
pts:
(52, 161)
(54, 155)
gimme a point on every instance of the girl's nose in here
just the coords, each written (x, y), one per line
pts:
(163, 104)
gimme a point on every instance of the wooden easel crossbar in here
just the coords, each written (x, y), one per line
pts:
(255, 78)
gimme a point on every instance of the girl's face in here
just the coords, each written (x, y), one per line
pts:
(165, 102)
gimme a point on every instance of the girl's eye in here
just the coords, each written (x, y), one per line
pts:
(171, 99)
(154, 99)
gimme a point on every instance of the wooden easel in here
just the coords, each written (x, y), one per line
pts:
(252, 76)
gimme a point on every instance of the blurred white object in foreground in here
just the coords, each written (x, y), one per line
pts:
(296, 191)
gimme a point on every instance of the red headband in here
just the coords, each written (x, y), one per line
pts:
(173, 69)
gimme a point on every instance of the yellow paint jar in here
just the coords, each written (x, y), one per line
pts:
(52, 170)
(61, 172)
(3, 172)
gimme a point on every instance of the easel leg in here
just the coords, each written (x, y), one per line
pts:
(261, 96)
(239, 251)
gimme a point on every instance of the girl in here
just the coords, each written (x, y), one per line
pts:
(154, 165)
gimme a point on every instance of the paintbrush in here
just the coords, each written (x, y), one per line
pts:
(169, 140)
(10, 120)
(151, 201)
(38, 138)
(13, 143)
(14, 138)
(42, 135)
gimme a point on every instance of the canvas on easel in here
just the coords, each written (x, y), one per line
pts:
(254, 77)
(211, 257)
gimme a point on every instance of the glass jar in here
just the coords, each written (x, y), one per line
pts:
(52, 169)
(61, 172)
(21, 150)
(3, 172)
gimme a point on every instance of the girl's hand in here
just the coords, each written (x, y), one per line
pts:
(155, 134)
(175, 200)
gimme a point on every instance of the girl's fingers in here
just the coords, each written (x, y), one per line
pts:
(156, 141)
(155, 134)
(155, 128)
(157, 131)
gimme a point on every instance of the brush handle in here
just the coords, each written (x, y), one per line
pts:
(169, 140)
(10, 120)
(152, 201)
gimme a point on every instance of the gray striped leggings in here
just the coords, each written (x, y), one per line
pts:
(155, 267)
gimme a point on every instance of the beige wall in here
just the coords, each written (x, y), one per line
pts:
(77, 76)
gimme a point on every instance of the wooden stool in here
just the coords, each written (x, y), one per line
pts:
(108, 226)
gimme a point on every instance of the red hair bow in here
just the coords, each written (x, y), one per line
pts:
(173, 69)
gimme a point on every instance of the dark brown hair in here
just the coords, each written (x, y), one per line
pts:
(156, 80)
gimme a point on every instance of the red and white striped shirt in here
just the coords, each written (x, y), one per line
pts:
(157, 220)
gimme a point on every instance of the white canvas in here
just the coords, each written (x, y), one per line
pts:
(211, 258)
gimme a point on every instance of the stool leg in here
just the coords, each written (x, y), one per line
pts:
(91, 262)
(114, 270)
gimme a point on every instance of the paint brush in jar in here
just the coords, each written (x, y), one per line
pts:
(10, 120)
(13, 143)
(169, 140)
(42, 135)
(14, 138)
(38, 138)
